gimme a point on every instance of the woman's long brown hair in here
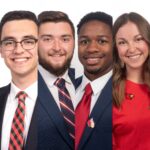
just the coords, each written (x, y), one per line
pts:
(119, 72)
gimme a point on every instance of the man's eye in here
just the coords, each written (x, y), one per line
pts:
(102, 41)
(83, 42)
(66, 39)
(30, 41)
(7, 43)
(46, 39)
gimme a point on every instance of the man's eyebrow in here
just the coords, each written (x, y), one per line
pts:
(83, 36)
(46, 35)
(8, 38)
(13, 38)
(29, 37)
(66, 35)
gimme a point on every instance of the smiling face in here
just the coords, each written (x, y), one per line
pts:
(95, 48)
(20, 62)
(132, 48)
(56, 46)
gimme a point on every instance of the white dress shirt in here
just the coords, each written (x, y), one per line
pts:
(97, 87)
(11, 105)
(50, 80)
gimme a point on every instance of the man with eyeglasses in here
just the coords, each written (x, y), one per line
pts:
(18, 48)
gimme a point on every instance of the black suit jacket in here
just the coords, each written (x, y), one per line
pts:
(31, 142)
(100, 137)
(52, 132)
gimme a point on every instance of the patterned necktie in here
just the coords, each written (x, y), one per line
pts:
(82, 114)
(66, 107)
(17, 129)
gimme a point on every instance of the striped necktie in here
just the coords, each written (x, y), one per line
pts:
(66, 107)
(17, 129)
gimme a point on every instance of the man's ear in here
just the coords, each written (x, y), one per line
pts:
(1, 53)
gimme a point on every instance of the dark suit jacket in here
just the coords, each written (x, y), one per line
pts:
(31, 141)
(100, 137)
(52, 133)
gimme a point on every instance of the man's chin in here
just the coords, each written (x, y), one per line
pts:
(94, 70)
(57, 69)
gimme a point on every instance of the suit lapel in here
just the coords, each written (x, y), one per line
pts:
(31, 142)
(3, 98)
(76, 81)
(71, 74)
(48, 103)
(103, 101)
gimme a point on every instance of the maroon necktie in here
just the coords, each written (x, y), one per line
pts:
(66, 107)
(17, 129)
(82, 113)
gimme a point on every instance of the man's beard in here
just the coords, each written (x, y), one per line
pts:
(99, 71)
(58, 71)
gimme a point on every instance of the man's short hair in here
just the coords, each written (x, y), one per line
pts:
(100, 16)
(17, 15)
(55, 16)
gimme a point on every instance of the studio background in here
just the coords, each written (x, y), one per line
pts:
(76, 10)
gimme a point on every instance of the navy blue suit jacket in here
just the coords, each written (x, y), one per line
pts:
(52, 132)
(31, 142)
(100, 137)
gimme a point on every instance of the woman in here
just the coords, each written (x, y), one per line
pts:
(131, 83)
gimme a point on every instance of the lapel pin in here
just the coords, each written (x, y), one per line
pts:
(91, 123)
(130, 96)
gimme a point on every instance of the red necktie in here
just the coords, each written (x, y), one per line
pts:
(17, 129)
(66, 107)
(82, 113)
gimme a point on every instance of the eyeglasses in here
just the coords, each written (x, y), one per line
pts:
(26, 44)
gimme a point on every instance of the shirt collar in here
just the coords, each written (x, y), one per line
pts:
(31, 91)
(98, 84)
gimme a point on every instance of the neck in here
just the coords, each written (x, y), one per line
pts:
(23, 82)
(135, 76)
